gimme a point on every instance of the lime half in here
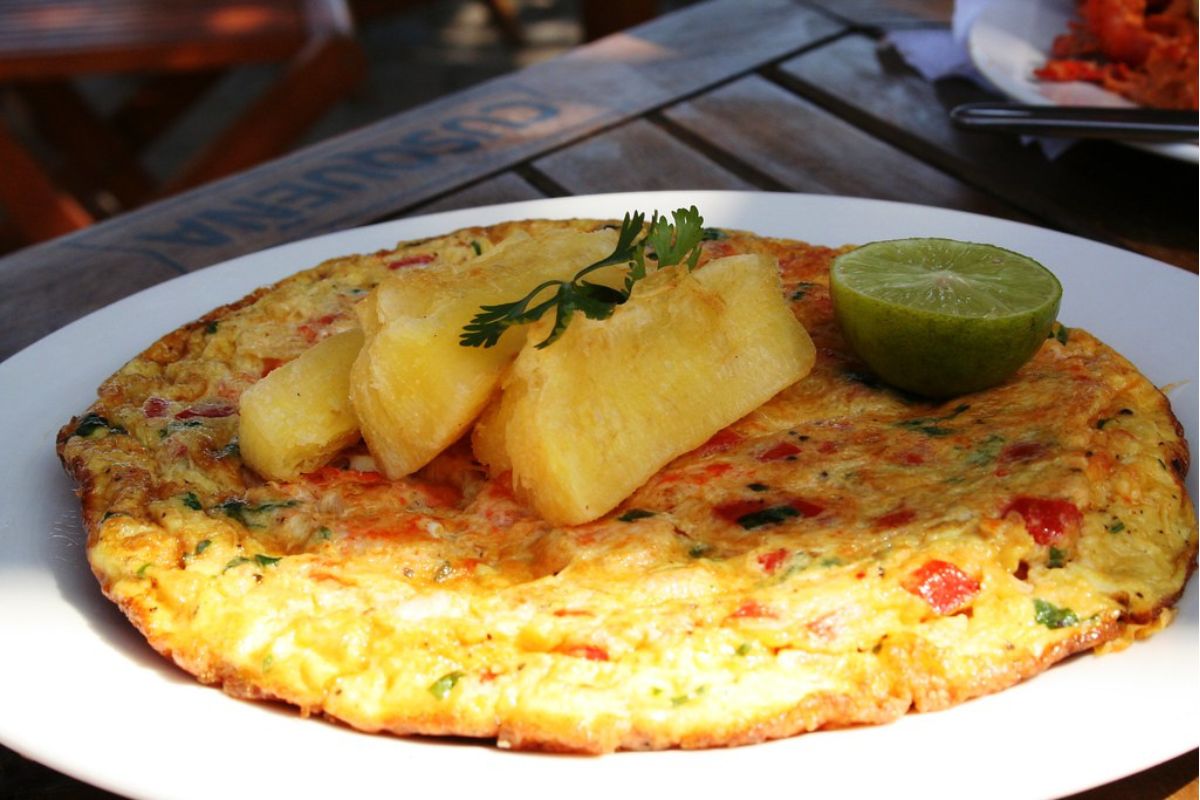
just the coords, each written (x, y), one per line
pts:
(938, 317)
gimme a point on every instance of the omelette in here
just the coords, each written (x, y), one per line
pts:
(842, 555)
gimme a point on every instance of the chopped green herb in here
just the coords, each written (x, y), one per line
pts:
(679, 700)
(239, 509)
(802, 289)
(191, 501)
(714, 235)
(635, 514)
(176, 425)
(1100, 423)
(986, 451)
(235, 562)
(1060, 332)
(743, 649)
(211, 328)
(1052, 616)
(757, 487)
(1057, 558)
(93, 423)
(231, 449)
(767, 516)
(1116, 526)
(477, 247)
(141, 573)
(670, 244)
(266, 561)
(203, 545)
(698, 550)
(929, 426)
(324, 533)
(831, 561)
(442, 686)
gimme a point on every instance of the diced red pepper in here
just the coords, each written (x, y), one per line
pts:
(771, 561)
(779, 452)
(751, 609)
(945, 587)
(735, 509)
(207, 410)
(1018, 453)
(335, 475)
(720, 441)
(894, 519)
(408, 261)
(1046, 519)
(155, 407)
(588, 651)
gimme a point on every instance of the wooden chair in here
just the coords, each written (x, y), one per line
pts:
(178, 49)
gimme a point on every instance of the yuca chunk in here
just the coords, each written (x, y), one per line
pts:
(415, 388)
(588, 419)
(299, 416)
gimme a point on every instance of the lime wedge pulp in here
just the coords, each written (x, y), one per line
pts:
(938, 317)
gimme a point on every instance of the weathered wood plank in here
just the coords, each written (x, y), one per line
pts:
(1099, 190)
(637, 156)
(395, 165)
(883, 14)
(808, 149)
(505, 188)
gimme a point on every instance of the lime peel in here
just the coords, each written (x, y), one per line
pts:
(940, 317)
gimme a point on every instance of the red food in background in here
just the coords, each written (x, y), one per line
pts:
(1144, 50)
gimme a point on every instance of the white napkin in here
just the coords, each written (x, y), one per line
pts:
(940, 53)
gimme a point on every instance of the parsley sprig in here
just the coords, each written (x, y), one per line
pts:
(663, 242)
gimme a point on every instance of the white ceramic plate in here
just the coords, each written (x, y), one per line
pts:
(81, 692)
(1011, 38)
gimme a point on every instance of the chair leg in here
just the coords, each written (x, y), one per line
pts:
(157, 103)
(504, 15)
(96, 157)
(38, 209)
(319, 77)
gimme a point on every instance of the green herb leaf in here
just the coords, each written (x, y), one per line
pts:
(242, 511)
(266, 561)
(1116, 526)
(191, 501)
(94, 423)
(677, 243)
(1052, 616)
(634, 514)
(767, 516)
(203, 545)
(802, 289)
(442, 686)
(1057, 559)
(929, 426)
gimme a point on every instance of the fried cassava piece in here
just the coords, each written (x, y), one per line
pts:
(842, 554)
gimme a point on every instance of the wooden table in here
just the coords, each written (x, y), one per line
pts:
(778, 95)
